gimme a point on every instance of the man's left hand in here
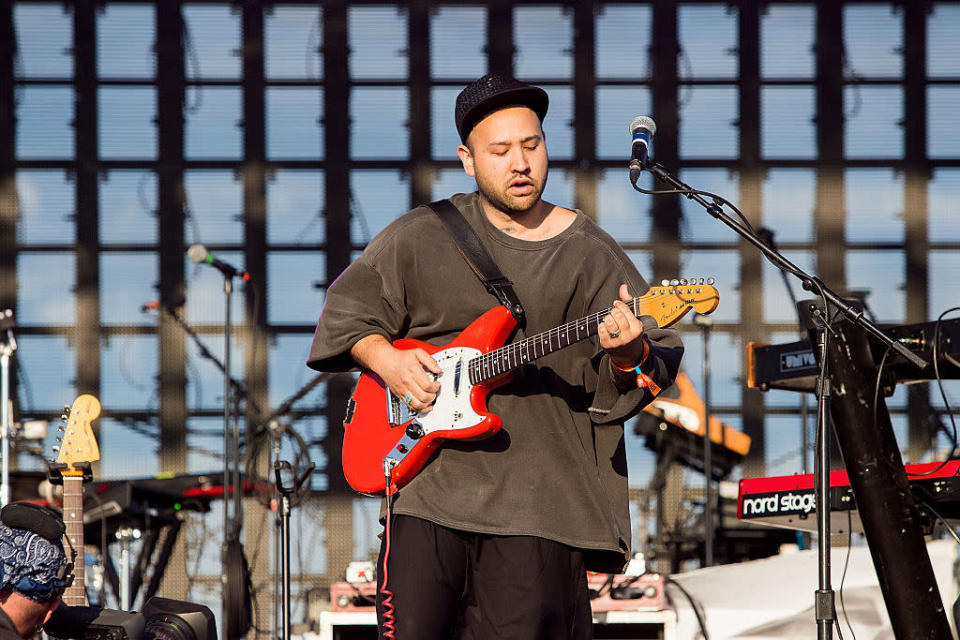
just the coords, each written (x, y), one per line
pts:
(621, 333)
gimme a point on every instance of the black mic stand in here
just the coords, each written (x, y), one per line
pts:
(233, 392)
(231, 454)
(287, 484)
(825, 606)
(705, 324)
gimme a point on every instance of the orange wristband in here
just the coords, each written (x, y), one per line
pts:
(643, 380)
(643, 358)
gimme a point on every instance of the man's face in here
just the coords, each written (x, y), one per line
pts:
(507, 155)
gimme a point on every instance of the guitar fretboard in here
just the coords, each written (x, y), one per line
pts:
(507, 358)
(76, 594)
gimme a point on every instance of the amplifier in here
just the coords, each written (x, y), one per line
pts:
(353, 596)
(607, 593)
(622, 593)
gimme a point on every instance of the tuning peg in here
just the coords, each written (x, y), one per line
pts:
(56, 449)
(674, 282)
(683, 282)
(710, 281)
(664, 283)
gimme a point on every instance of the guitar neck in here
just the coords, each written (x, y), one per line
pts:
(505, 359)
(76, 594)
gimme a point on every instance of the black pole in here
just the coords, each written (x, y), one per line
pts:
(824, 603)
(891, 520)
(705, 323)
(228, 533)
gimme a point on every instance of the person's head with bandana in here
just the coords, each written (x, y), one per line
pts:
(34, 568)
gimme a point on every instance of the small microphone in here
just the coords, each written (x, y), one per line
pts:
(642, 130)
(199, 254)
(150, 306)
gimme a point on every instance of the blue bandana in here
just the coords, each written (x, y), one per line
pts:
(30, 564)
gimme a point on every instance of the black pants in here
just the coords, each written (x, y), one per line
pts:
(450, 584)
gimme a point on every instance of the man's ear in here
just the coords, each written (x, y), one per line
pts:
(466, 159)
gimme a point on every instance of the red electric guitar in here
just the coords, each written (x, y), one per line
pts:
(383, 436)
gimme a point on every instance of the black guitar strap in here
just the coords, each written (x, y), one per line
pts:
(478, 259)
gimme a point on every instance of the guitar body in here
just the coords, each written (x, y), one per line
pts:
(380, 425)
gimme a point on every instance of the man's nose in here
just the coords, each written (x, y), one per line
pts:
(519, 161)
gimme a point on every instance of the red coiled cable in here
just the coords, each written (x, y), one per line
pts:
(389, 618)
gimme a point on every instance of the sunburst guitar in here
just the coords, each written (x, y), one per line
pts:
(386, 444)
(78, 448)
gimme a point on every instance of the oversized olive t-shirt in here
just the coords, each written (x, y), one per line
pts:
(557, 469)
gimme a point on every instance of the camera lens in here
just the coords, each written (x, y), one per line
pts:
(168, 628)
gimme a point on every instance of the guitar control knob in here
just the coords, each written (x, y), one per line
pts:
(414, 430)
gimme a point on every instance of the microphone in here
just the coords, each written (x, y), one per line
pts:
(198, 253)
(642, 130)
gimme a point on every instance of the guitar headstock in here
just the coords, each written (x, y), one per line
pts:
(672, 300)
(77, 441)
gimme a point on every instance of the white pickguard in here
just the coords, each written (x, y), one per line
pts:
(452, 409)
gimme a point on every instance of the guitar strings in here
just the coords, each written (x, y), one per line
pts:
(485, 366)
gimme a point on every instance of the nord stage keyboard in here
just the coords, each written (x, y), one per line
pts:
(789, 501)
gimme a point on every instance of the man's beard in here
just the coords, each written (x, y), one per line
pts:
(503, 201)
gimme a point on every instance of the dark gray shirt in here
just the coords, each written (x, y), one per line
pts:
(557, 469)
(8, 630)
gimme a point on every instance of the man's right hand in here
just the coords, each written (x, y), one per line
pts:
(410, 374)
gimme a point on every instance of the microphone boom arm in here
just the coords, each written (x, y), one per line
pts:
(809, 282)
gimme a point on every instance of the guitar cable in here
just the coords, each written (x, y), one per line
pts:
(389, 610)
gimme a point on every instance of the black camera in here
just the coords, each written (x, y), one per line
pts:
(161, 619)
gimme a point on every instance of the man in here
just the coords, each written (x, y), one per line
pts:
(491, 538)
(33, 569)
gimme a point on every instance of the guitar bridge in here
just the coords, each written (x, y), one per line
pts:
(398, 412)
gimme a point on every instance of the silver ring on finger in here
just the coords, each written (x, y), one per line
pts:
(614, 334)
(407, 398)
